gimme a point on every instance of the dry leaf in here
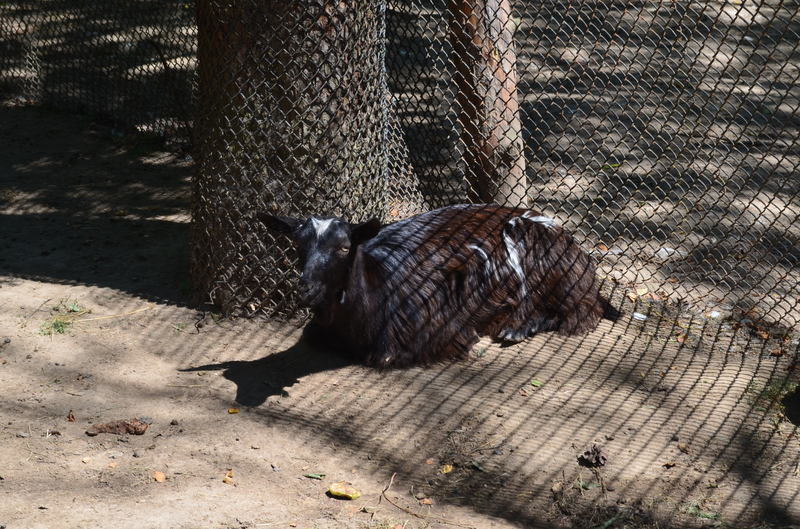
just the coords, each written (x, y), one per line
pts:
(602, 247)
(70, 416)
(86, 459)
(594, 455)
(343, 489)
(669, 465)
(683, 448)
(227, 480)
(429, 462)
(112, 465)
(159, 476)
(426, 501)
(642, 291)
(233, 410)
(632, 296)
(447, 469)
(683, 338)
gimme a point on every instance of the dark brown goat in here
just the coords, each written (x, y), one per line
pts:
(422, 290)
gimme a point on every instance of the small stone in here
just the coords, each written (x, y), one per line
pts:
(498, 452)
(500, 414)
(7, 340)
(610, 488)
(174, 422)
(115, 455)
(609, 437)
(23, 435)
(675, 438)
(501, 390)
(136, 453)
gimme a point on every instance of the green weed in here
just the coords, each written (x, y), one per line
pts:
(63, 317)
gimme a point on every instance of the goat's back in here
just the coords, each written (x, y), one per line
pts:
(434, 282)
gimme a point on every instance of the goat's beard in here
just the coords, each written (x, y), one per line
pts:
(323, 311)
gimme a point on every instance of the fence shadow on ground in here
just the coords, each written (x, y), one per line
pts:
(632, 387)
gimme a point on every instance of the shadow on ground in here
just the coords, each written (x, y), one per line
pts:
(685, 409)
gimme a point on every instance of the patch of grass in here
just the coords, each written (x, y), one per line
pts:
(770, 396)
(695, 509)
(63, 317)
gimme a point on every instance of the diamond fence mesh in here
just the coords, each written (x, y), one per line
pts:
(129, 63)
(665, 134)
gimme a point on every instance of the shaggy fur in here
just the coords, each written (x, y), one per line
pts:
(422, 290)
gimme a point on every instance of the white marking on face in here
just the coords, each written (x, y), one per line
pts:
(320, 225)
(541, 219)
(514, 260)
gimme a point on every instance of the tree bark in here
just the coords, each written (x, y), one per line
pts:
(291, 120)
(481, 33)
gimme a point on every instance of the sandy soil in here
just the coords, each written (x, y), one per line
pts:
(94, 231)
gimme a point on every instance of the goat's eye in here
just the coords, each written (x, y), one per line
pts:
(345, 249)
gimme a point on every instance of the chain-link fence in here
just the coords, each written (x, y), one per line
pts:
(665, 134)
(131, 64)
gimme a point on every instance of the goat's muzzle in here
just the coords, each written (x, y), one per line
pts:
(308, 295)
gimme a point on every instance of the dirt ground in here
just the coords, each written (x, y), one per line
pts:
(96, 325)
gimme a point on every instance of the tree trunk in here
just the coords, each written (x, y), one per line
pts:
(291, 120)
(481, 33)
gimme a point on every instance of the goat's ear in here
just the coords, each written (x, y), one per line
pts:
(365, 231)
(279, 224)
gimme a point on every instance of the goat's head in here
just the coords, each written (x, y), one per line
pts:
(326, 248)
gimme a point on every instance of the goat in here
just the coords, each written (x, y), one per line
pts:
(422, 290)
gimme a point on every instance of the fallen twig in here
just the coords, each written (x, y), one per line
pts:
(118, 315)
(422, 516)
(25, 322)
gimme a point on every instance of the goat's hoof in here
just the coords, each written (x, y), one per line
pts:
(512, 335)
